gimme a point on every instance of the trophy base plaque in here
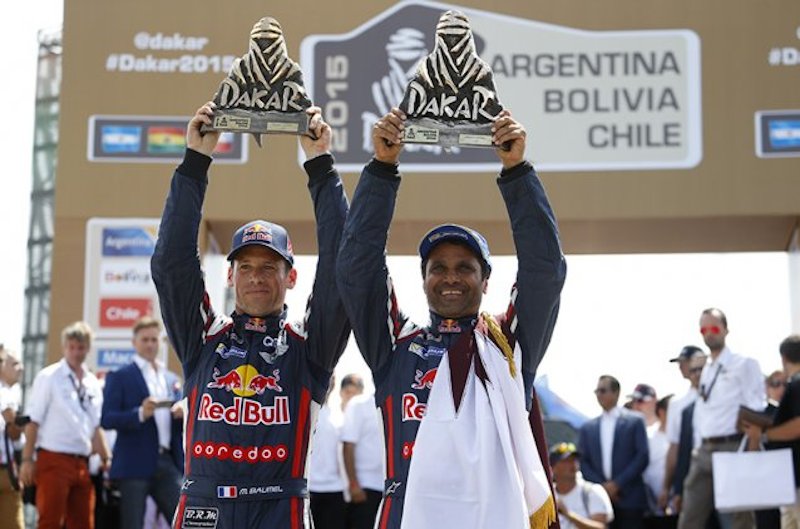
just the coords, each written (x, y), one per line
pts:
(255, 122)
(427, 131)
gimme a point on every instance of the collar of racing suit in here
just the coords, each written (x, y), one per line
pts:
(442, 326)
(270, 324)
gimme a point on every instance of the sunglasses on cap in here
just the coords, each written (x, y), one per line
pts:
(565, 448)
(711, 329)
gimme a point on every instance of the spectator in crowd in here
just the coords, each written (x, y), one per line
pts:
(613, 450)
(362, 440)
(581, 504)
(785, 431)
(643, 400)
(657, 445)
(10, 400)
(64, 408)
(140, 402)
(352, 385)
(690, 360)
(727, 382)
(776, 386)
(325, 482)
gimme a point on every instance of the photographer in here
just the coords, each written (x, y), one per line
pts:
(11, 425)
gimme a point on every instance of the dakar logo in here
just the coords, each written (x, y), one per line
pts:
(424, 380)
(245, 381)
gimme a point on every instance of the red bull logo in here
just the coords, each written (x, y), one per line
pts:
(449, 326)
(245, 381)
(413, 409)
(244, 412)
(424, 380)
(260, 383)
(257, 232)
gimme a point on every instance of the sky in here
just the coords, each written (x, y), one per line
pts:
(621, 315)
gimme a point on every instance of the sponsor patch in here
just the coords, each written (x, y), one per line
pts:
(226, 352)
(240, 454)
(257, 232)
(200, 518)
(436, 351)
(449, 326)
(245, 412)
(424, 380)
(245, 380)
(255, 324)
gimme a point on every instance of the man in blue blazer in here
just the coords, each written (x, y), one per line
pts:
(614, 453)
(140, 403)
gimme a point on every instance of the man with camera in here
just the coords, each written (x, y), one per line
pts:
(140, 403)
(11, 426)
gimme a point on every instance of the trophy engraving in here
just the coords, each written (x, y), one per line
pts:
(264, 91)
(451, 101)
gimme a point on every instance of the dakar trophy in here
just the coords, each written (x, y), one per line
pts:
(451, 100)
(264, 91)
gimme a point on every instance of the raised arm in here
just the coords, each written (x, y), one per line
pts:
(175, 265)
(361, 271)
(326, 323)
(541, 268)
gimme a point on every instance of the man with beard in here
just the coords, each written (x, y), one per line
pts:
(728, 381)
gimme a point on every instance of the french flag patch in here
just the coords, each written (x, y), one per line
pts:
(226, 491)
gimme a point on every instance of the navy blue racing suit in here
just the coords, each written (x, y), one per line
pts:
(404, 357)
(253, 384)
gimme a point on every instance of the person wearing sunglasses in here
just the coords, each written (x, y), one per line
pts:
(728, 381)
(614, 453)
(581, 504)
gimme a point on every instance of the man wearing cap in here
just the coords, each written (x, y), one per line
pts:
(253, 382)
(581, 504)
(728, 381)
(614, 453)
(455, 393)
(690, 360)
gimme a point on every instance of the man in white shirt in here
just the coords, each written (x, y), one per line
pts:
(64, 408)
(140, 402)
(362, 438)
(10, 434)
(727, 382)
(325, 480)
(581, 504)
(690, 360)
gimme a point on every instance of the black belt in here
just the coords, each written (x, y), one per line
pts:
(66, 454)
(722, 439)
(393, 487)
(162, 450)
(236, 490)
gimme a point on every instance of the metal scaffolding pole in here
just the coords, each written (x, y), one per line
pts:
(40, 232)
